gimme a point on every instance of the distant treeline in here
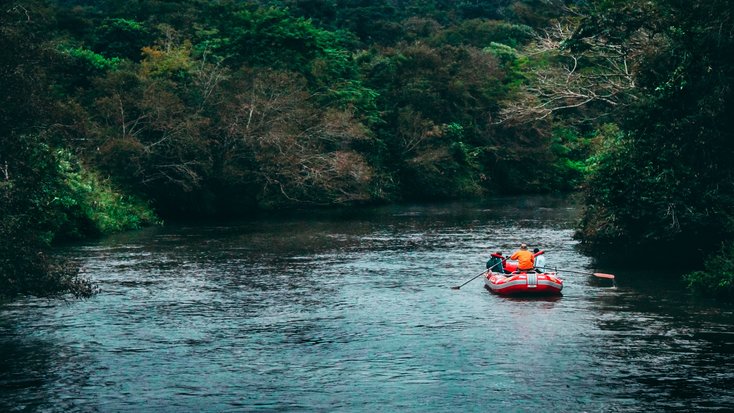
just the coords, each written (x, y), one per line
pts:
(117, 113)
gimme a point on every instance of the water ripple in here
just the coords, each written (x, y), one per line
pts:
(354, 312)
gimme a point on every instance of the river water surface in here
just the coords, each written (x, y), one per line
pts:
(354, 311)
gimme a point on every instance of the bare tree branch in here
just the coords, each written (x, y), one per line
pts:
(599, 73)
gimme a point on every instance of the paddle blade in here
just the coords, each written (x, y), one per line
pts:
(456, 287)
(603, 275)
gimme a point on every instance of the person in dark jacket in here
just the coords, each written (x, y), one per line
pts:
(496, 262)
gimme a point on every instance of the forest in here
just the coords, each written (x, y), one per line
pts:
(118, 115)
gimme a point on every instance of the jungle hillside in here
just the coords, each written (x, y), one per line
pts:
(118, 115)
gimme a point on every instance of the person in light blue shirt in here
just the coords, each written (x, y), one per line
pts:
(539, 260)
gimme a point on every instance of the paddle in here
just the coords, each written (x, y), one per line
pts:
(595, 274)
(456, 287)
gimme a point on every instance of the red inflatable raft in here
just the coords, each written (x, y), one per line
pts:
(524, 283)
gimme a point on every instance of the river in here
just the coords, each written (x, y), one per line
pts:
(353, 311)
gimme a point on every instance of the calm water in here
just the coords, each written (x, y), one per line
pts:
(354, 312)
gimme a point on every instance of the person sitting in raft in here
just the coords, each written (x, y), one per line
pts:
(525, 258)
(539, 260)
(496, 262)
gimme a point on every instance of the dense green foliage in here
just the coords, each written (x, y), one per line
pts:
(45, 193)
(211, 108)
(86, 205)
(667, 178)
(666, 181)
(222, 107)
(717, 278)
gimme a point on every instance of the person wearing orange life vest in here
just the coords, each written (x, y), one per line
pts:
(525, 258)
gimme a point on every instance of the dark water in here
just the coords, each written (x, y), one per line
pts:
(354, 312)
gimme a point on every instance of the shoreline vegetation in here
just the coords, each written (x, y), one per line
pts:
(119, 115)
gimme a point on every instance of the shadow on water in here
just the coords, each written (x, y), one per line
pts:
(32, 367)
(678, 349)
(24, 369)
(520, 298)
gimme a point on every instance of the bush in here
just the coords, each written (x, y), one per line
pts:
(718, 277)
(92, 59)
(86, 205)
(48, 195)
(30, 179)
(481, 33)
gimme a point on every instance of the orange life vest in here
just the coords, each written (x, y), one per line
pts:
(525, 260)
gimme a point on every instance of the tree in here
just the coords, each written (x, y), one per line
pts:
(28, 169)
(667, 179)
(301, 153)
(573, 74)
(152, 122)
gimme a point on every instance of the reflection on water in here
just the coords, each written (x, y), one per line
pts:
(353, 311)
